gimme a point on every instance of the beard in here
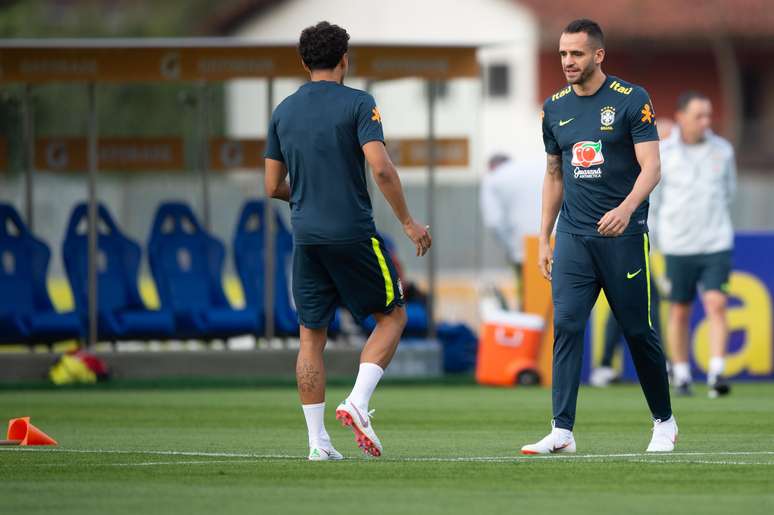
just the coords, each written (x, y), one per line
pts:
(584, 74)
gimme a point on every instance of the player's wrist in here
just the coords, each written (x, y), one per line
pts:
(628, 206)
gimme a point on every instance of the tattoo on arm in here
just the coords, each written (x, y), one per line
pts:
(308, 376)
(554, 166)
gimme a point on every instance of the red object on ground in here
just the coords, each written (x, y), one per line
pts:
(21, 429)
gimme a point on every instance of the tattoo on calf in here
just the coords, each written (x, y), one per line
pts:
(307, 376)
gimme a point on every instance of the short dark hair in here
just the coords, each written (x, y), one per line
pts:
(686, 96)
(322, 46)
(498, 159)
(590, 27)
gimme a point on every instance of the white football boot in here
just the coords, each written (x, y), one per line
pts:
(557, 441)
(664, 435)
(324, 454)
(360, 422)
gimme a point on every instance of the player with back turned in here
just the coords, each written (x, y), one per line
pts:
(321, 136)
(602, 163)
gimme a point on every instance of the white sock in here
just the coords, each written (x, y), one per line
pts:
(315, 425)
(716, 368)
(682, 372)
(365, 384)
(560, 432)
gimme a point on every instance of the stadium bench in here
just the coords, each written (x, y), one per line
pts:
(122, 315)
(249, 246)
(187, 263)
(27, 314)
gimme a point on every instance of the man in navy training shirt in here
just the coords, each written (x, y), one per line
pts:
(602, 163)
(321, 136)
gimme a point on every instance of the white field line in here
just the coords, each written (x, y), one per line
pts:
(251, 457)
(261, 460)
(705, 462)
(181, 462)
(153, 463)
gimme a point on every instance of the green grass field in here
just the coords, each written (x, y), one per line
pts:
(448, 449)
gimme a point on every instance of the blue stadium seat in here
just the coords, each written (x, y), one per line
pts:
(249, 263)
(122, 315)
(26, 312)
(187, 263)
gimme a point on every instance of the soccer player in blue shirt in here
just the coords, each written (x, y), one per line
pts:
(321, 136)
(602, 163)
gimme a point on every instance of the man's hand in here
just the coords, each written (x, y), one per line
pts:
(545, 257)
(419, 235)
(274, 176)
(615, 221)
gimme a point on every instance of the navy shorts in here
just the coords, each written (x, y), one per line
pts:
(360, 276)
(687, 273)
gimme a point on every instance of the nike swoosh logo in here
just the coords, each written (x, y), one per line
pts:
(363, 422)
(559, 448)
(562, 123)
(326, 452)
(630, 275)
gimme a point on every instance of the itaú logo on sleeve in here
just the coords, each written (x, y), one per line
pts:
(584, 155)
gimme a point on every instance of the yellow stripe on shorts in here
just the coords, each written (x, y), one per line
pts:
(385, 271)
(647, 272)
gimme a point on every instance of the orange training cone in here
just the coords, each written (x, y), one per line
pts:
(21, 430)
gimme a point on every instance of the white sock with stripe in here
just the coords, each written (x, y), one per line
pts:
(367, 378)
(315, 425)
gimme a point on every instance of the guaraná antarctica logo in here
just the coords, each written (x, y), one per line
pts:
(584, 155)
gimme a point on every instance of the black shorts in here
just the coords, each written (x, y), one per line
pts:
(360, 276)
(687, 273)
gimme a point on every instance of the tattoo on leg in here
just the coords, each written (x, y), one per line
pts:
(307, 376)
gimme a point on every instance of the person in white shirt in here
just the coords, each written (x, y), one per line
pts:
(693, 225)
(510, 206)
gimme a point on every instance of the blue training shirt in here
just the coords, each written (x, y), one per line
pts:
(319, 132)
(595, 136)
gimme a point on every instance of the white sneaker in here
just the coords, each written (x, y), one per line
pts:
(664, 436)
(557, 441)
(602, 377)
(360, 421)
(324, 454)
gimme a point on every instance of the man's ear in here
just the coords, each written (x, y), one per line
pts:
(599, 55)
(306, 67)
(344, 63)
